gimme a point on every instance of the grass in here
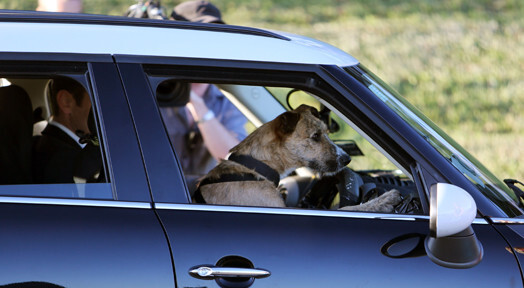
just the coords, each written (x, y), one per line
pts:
(461, 62)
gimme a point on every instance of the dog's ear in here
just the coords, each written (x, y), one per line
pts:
(285, 123)
(305, 107)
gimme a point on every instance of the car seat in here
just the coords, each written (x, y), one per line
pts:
(16, 129)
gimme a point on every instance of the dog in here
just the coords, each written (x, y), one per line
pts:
(297, 138)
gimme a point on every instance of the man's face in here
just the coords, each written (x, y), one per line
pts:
(80, 114)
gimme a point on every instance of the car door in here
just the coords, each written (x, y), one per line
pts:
(292, 247)
(101, 234)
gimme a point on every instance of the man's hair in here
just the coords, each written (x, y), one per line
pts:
(68, 84)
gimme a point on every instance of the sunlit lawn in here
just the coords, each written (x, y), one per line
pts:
(463, 71)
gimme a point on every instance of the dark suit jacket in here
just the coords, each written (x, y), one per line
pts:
(57, 157)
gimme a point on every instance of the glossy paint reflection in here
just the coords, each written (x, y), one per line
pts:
(74, 246)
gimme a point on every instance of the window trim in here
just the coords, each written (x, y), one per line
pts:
(75, 202)
(297, 212)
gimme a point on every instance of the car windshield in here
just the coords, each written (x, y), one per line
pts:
(471, 168)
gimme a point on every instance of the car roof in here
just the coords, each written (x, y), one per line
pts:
(48, 32)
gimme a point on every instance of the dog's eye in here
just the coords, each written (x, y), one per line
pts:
(316, 136)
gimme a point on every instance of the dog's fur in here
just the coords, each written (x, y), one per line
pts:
(294, 139)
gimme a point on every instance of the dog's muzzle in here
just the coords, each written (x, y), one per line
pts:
(332, 165)
(343, 160)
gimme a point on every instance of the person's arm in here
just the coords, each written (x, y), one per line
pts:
(217, 138)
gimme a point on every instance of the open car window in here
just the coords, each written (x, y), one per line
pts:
(372, 171)
(41, 155)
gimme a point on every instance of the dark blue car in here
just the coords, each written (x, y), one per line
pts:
(133, 224)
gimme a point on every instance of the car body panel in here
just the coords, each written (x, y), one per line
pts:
(323, 251)
(83, 246)
(514, 234)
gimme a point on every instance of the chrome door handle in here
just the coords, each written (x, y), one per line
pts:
(213, 272)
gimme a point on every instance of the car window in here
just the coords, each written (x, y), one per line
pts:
(470, 167)
(49, 136)
(371, 172)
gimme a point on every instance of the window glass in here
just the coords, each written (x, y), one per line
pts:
(237, 110)
(470, 167)
(49, 138)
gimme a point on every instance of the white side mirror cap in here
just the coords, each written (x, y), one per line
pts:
(452, 210)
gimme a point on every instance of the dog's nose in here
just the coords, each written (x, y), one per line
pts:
(343, 160)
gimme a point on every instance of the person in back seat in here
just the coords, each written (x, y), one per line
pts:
(58, 153)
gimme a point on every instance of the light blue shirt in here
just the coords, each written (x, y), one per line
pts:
(187, 140)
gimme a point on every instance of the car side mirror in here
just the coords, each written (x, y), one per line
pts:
(452, 242)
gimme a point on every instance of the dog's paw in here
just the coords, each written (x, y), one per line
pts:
(387, 201)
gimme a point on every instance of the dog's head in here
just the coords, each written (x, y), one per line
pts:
(304, 136)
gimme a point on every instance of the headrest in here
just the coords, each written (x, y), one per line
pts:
(15, 102)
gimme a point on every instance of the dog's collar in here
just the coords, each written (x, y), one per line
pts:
(257, 165)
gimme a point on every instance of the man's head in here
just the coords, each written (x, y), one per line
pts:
(70, 103)
(197, 11)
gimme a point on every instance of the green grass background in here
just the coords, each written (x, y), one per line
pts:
(460, 62)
